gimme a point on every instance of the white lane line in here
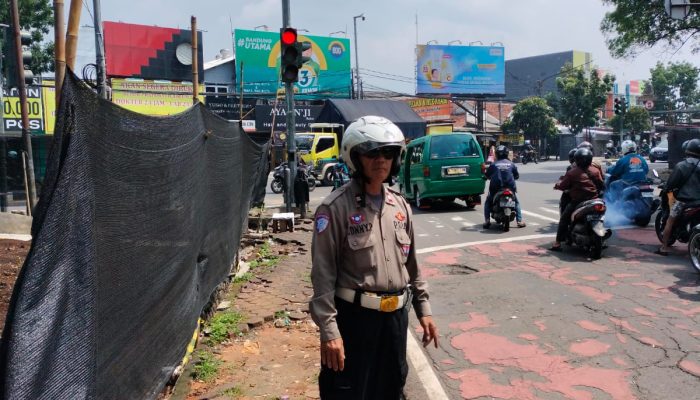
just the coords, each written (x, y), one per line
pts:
(457, 219)
(439, 226)
(549, 210)
(468, 244)
(469, 224)
(423, 235)
(540, 216)
(425, 372)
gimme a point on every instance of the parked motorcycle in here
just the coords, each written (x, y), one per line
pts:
(587, 229)
(685, 223)
(527, 156)
(503, 208)
(694, 248)
(636, 202)
(278, 178)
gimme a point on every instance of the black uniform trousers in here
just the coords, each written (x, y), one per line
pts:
(565, 220)
(375, 355)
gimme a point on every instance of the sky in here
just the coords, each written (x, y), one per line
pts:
(388, 35)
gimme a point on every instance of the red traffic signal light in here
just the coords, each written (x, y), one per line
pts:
(288, 36)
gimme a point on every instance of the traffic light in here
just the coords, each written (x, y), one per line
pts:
(623, 105)
(290, 54)
(618, 106)
(9, 59)
(301, 48)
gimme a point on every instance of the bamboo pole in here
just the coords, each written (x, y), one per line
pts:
(72, 35)
(195, 59)
(59, 46)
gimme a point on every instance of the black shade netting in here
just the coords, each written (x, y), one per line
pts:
(139, 221)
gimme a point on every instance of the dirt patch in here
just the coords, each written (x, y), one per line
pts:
(12, 255)
(267, 363)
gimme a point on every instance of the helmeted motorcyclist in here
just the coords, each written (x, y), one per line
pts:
(645, 148)
(502, 174)
(583, 183)
(589, 146)
(631, 169)
(685, 183)
(340, 173)
(565, 198)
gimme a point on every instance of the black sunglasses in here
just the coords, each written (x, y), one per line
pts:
(387, 152)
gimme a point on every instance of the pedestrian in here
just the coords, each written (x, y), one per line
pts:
(364, 271)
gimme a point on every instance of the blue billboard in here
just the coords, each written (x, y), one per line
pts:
(478, 70)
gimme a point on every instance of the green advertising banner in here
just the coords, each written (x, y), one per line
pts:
(326, 75)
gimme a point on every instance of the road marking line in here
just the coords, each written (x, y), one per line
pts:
(549, 210)
(468, 244)
(532, 214)
(469, 224)
(439, 226)
(425, 372)
(457, 219)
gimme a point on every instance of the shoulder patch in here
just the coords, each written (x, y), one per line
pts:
(334, 196)
(323, 221)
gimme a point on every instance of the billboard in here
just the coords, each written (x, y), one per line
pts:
(432, 109)
(152, 97)
(327, 75)
(477, 70)
(304, 115)
(12, 113)
(150, 52)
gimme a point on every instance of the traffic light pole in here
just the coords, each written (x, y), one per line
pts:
(3, 139)
(291, 121)
(29, 168)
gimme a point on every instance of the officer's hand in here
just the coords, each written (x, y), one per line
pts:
(430, 331)
(333, 354)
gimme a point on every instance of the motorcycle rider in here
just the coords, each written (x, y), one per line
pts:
(684, 182)
(529, 151)
(565, 198)
(340, 173)
(594, 163)
(502, 174)
(583, 182)
(629, 170)
(645, 148)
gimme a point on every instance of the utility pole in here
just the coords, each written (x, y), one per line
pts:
(357, 62)
(3, 139)
(99, 50)
(291, 121)
(29, 168)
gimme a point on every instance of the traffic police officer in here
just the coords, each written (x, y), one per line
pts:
(365, 274)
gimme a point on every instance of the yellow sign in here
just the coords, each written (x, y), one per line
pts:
(12, 112)
(48, 94)
(152, 97)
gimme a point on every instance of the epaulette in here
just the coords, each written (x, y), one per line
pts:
(334, 195)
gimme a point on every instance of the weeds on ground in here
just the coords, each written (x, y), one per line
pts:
(207, 366)
(243, 278)
(234, 392)
(223, 324)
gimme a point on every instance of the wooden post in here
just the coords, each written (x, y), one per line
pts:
(195, 59)
(72, 35)
(59, 47)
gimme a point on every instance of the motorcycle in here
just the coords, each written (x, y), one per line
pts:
(587, 229)
(503, 208)
(694, 248)
(685, 223)
(527, 156)
(636, 201)
(279, 181)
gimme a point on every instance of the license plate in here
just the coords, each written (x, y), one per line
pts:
(456, 170)
(594, 218)
(647, 194)
(509, 204)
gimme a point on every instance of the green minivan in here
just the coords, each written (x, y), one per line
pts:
(443, 167)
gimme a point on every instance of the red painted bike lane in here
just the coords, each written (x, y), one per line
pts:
(519, 322)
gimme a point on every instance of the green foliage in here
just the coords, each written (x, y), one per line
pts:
(243, 277)
(35, 16)
(534, 117)
(222, 324)
(636, 120)
(634, 26)
(581, 97)
(675, 86)
(234, 392)
(207, 366)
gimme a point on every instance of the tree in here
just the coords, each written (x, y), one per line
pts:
(581, 97)
(675, 86)
(534, 117)
(638, 25)
(636, 121)
(35, 16)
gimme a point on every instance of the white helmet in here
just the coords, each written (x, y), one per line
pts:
(368, 133)
(628, 146)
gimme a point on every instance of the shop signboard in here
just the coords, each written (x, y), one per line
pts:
(304, 115)
(326, 75)
(460, 70)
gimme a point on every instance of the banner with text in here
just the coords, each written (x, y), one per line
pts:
(478, 70)
(326, 75)
(152, 97)
(431, 109)
(304, 116)
(12, 112)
